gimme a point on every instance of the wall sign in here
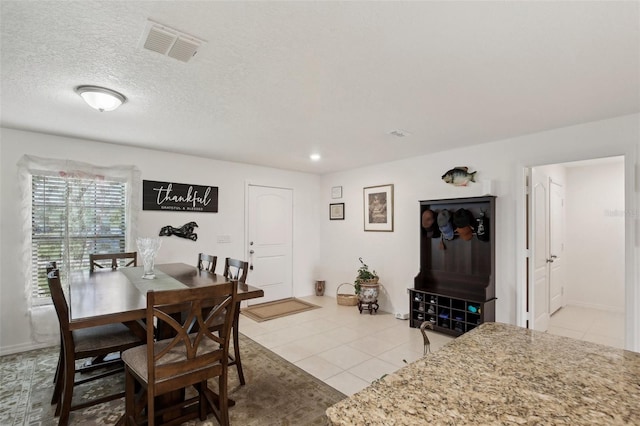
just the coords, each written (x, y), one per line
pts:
(171, 196)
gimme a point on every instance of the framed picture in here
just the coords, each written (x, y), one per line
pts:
(378, 208)
(336, 192)
(336, 211)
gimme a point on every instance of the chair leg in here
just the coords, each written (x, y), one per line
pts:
(58, 380)
(202, 400)
(223, 400)
(64, 407)
(151, 411)
(236, 345)
(129, 395)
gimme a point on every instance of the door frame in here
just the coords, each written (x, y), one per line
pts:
(632, 240)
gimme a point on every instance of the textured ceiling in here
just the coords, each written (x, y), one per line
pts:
(277, 81)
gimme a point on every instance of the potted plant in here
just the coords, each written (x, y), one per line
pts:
(364, 276)
(367, 287)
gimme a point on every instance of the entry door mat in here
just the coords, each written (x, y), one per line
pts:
(277, 309)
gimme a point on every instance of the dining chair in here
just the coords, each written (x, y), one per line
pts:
(81, 344)
(57, 387)
(236, 271)
(207, 262)
(96, 260)
(189, 358)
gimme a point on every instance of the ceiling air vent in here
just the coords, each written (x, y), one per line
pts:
(170, 42)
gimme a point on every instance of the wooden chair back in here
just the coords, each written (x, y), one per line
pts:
(194, 354)
(236, 270)
(97, 260)
(59, 300)
(207, 262)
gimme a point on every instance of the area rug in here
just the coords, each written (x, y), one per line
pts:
(277, 309)
(277, 392)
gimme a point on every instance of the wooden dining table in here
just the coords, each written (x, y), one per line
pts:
(119, 296)
(109, 296)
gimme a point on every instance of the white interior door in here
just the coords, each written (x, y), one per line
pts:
(539, 291)
(269, 244)
(556, 246)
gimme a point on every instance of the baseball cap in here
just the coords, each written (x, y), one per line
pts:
(444, 223)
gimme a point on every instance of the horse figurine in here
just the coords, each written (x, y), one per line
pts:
(185, 231)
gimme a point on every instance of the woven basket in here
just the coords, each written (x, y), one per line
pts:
(346, 299)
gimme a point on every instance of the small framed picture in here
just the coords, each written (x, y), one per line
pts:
(378, 208)
(336, 192)
(336, 211)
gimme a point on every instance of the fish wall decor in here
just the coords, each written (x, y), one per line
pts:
(459, 176)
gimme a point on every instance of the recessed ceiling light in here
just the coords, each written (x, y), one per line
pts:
(315, 157)
(399, 133)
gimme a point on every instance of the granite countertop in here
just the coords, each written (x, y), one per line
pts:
(503, 374)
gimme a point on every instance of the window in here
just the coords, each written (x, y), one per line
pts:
(73, 216)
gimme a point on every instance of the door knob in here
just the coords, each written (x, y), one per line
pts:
(251, 251)
(550, 260)
(553, 256)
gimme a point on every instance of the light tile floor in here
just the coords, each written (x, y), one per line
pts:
(348, 350)
(338, 345)
(592, 325)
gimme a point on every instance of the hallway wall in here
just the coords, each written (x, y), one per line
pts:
(595, 236)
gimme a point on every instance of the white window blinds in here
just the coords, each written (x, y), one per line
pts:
(71, 218)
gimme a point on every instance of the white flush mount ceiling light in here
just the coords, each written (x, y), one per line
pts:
(101, 98)
(315, 157)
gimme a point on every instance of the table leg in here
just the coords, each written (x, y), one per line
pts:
(236, 345)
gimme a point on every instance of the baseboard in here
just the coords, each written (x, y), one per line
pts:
(607, 308)
(14, 349)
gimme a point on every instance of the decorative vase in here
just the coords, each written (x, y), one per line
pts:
(148, 248)
(369, 290)
(319, 288)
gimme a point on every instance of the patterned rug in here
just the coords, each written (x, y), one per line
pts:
(277, 309)
(277, 392)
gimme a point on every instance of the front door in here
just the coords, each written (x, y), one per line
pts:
(269, 244)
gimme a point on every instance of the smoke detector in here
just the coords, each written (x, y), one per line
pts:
(399, 133)
(170, 42)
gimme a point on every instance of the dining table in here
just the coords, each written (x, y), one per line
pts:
(119, 295)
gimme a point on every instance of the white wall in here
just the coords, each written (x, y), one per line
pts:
(231, 179)
(595, 236)
(395, 255)
(329, 250)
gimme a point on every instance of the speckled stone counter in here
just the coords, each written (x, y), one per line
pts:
(503, 374)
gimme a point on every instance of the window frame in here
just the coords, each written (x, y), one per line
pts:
(30, 165)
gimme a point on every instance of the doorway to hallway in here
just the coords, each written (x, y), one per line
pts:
(576, 278)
